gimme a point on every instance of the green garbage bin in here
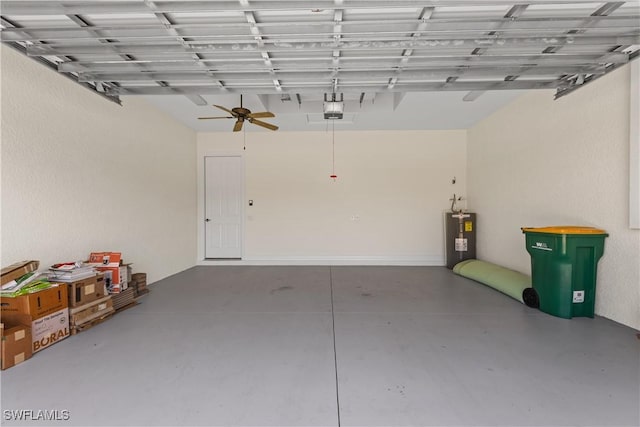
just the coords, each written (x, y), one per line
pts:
(564, 265)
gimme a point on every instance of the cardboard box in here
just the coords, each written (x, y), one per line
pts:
(129, 271)
(84, 291)
(109, 264)
(125, 276)
(139, 277)
(46, 311)
(16, 343)
(105, 259)
(112, 279)
(95, 310)
(17, 270)
(139, 282)
(123, 299)
(37, 304)
(50, 329)
(115, 278)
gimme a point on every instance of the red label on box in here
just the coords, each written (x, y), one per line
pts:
(105, 259)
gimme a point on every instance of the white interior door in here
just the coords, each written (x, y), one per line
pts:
(223, 207)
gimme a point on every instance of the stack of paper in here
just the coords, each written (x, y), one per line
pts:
(28, 283)
(71, 271)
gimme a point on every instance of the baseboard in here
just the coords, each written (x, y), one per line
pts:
(323, 260)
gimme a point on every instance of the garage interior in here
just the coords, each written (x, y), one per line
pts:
(333, 307)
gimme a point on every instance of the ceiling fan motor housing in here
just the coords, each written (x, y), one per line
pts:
(241, 111)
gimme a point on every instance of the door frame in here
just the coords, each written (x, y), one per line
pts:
(201, 205)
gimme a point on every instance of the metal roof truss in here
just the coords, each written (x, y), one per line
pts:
(316, 47)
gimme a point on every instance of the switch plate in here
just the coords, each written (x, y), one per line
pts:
(578, 296)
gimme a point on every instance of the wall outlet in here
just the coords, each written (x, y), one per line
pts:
(578, 296)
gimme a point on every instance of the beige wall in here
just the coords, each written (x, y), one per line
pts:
(634, 149)
(80, 173)
(396, 184)
(540, 162)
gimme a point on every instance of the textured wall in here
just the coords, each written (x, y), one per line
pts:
(542, 162)
(80, 173)
(634, 149)
(396, 184)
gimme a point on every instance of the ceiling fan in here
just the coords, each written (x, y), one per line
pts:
(241, 114)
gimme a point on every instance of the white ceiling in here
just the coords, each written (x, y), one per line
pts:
(415, 111)
(400, 64)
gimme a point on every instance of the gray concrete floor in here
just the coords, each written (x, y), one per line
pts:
(319, 346)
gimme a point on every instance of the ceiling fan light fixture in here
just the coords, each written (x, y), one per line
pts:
(333, 110)
(333, 106)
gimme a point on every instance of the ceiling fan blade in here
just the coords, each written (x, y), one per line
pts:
(263, 124)
(238, 126)
(261, 115)
(225, 109)
(211, 118)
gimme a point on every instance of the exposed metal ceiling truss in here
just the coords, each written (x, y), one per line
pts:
(311, 48)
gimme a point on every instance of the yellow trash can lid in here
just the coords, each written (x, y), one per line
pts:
(564, 229)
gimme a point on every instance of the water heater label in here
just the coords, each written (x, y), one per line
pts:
(468, 226)
(461, 245)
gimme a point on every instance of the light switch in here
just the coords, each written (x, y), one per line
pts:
(250, 202)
